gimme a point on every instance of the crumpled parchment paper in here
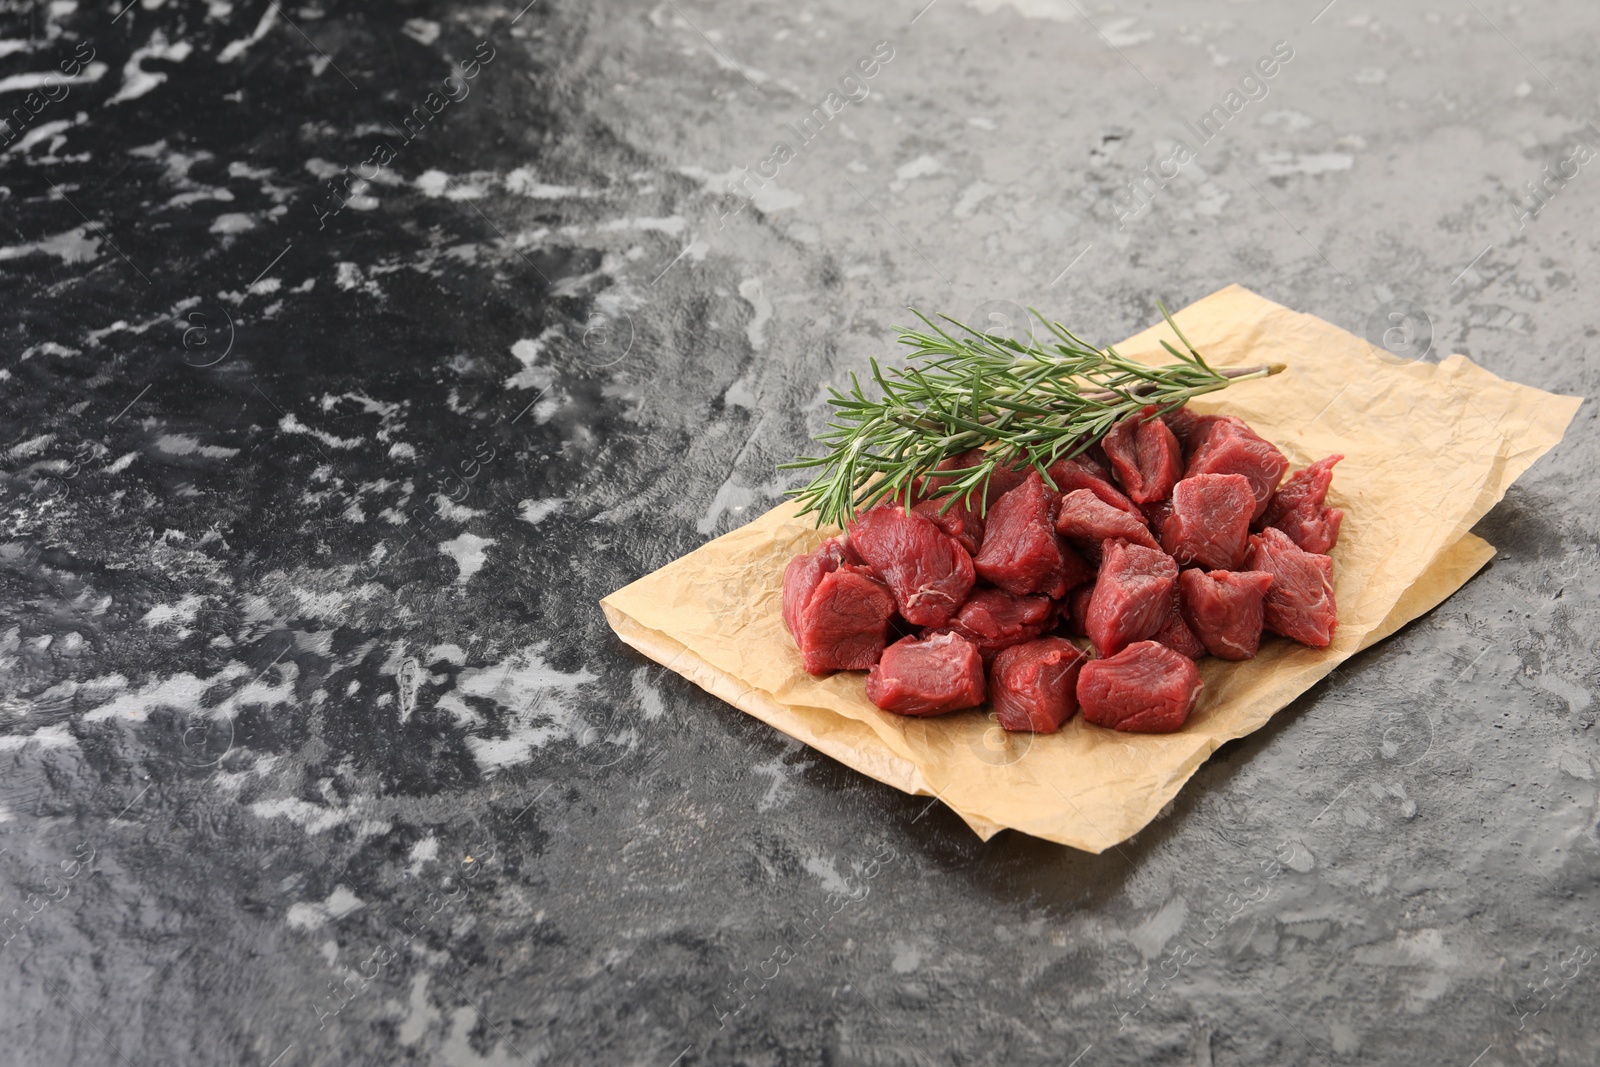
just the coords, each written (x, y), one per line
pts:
(1429, 449)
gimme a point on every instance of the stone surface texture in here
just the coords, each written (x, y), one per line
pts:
(340, 381)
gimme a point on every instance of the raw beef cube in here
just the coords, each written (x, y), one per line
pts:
(1144, 456)
(1309, 486)
(1132, 596)
(845, 623)
(1075, 571)
(1022, 553)
(1003, 479)
(1077, 610)
(1210, 521)
(1090, 461)
(804, 573)
(1099, 462)
(928, 485)
(1297, 508)
(928, 676)
(1080, 472)
(1156, 513)
(958, 521)
(1313, 529)
(1146, 688)
(1226, 445)
(1035, 686)
(1300, 603)
(993, 619)
(1184, 424)
(1083, 516)
(1175, 633)
(1224, 609)
(928, 573)
(961, 520)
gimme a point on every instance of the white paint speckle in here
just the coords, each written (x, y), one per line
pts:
(290, 423)
(906, 958)
(17, 83)
(672, 225)
(185, 691)
(310, 916)
(422, 1015)
(136, 81)
(731, 497)
(781, 773)
(524, 182)
(450, 511)
(823, 870)
(536, 511)
(1152, 935)
(767, 197)
(1123, 33)
(432, 182)
(468, 552)
(750, 289)
(232, 222)
(648, 696)
(1283, 164)
(181, 612)
(423, 31)
(1292, 121)
(536, 697)
(70, 246)
(971, 197)
(48, 348)
(235, 49)
(527, 351)
(182, 444)
(57, 736)
(449, 652)
(347, 275)
(43, 131)
(424, 851)
(1054, 10)
(923, 166)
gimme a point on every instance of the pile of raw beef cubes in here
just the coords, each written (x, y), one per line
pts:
(1173, 538)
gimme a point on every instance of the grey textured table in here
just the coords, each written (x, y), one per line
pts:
(351, 353)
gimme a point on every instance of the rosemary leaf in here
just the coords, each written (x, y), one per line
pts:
(1033, 403)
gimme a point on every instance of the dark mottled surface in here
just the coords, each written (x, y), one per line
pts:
(303, 683)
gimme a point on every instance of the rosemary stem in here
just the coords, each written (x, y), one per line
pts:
(1029, 402)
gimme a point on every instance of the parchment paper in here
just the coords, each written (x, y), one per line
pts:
(1429, 449)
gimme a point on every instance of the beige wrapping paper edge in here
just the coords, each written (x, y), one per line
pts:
(855, 745)
(1429, 450)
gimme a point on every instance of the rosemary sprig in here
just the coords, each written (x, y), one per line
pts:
(1034, 403)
